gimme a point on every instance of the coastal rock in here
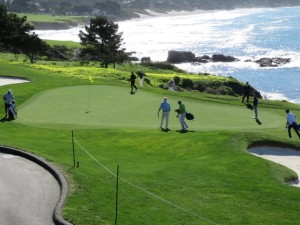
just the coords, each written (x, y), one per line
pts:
(272, 62)
(203, 59)
(185, 56)
(189, 57)
(180, 57)
(145, 59)
(223, 58)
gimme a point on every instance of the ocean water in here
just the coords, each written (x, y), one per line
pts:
(243, 33)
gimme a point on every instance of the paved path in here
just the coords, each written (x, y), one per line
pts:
(28, 192)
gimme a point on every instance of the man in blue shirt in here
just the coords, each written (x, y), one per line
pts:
(165, 107)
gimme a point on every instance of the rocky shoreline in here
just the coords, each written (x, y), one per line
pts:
(176, 57)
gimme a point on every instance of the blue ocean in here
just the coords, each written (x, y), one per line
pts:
(247, 34)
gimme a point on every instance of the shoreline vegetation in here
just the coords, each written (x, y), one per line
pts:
(157, 74)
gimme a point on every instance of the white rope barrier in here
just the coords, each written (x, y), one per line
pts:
(149, 193)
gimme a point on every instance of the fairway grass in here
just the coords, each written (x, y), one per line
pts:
(103, 106)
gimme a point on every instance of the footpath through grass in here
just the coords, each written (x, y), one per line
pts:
(200, 177)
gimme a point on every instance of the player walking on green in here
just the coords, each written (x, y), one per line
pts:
(165, 107)
(181, 115)
(132, 82)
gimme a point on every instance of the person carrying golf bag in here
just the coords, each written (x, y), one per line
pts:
(9, 105)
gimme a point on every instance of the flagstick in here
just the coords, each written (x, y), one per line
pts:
(91, 81)
(88, 108)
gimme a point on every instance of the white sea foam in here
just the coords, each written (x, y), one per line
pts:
(279, 97)
(61, 35)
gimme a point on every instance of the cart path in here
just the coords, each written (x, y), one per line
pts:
(28, 192)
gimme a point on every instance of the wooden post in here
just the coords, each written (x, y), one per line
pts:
(73, 148)
(117, 195)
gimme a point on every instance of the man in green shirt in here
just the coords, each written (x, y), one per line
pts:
(181, 115)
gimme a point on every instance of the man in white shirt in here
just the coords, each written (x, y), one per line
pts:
(291, 123)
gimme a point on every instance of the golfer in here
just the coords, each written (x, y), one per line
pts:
(141, 76)
(181, 115)
(8, 100)
(165, 107)
(291, 123)
(132, 82)
(247, 89)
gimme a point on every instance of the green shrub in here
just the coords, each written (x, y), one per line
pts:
(161, 65)
(187, 83)
(147, 80)
(177, 80)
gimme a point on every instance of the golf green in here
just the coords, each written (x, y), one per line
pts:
(104, 106)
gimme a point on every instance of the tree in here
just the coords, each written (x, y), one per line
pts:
(103, 42)
(32, 46)
(13, 28)
(16, 35)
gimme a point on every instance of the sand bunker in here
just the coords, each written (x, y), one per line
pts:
(284, 156)
(11, 80)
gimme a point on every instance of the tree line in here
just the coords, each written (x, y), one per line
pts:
(101, 41)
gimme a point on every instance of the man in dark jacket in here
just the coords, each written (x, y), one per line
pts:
(247, 90)
(132, 82)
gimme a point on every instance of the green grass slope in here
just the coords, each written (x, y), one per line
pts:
(204, 176)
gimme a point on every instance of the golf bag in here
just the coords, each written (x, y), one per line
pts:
(12, 111)
(189, 116)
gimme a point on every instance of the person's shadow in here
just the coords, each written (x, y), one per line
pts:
(165, 130)
(258, 122)
(249, 106)
(5, 119)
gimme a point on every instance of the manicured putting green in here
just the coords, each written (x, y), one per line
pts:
(100, 106)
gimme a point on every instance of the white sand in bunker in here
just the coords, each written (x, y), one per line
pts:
(284, 156)
(11, 80)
